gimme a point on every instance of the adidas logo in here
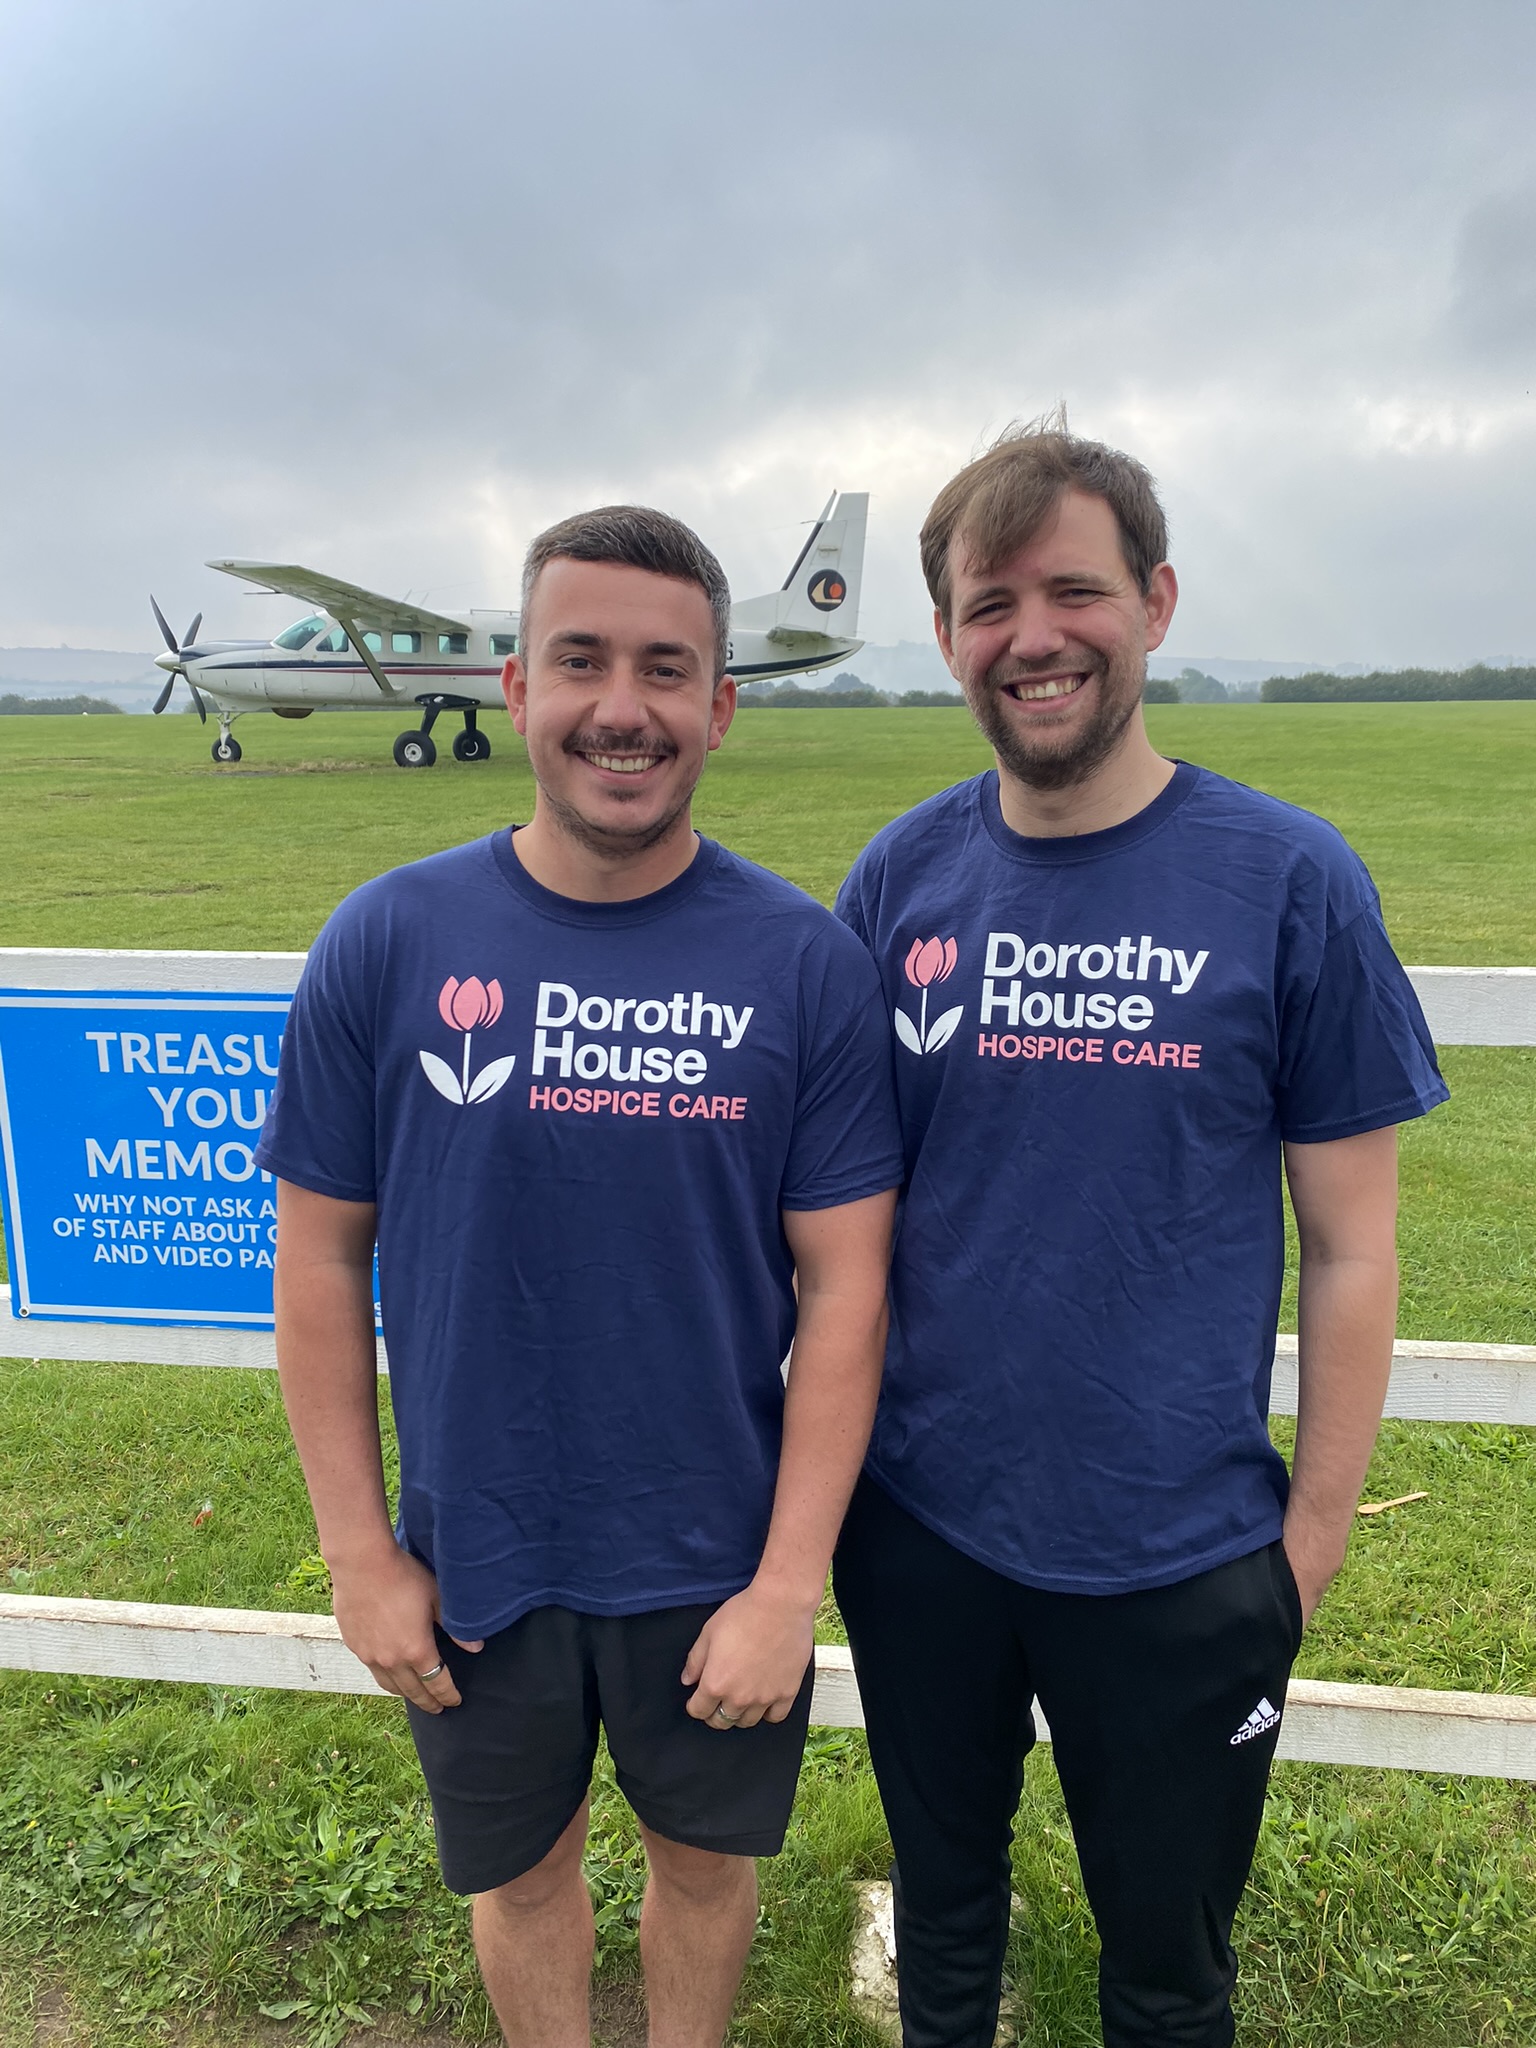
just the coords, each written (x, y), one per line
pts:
(1259, 1722)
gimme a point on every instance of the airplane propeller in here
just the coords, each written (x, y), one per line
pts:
(180, 650)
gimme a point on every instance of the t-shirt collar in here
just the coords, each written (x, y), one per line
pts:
(1083, 845)
(602, 916)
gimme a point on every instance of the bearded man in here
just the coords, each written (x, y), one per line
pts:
(1125, 991)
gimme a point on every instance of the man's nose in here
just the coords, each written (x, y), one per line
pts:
(621, 702)
(1037, 631)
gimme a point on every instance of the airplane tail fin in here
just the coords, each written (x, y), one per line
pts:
(821, 592)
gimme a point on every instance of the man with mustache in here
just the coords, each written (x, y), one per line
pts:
(607, 1097)
(1124, 988)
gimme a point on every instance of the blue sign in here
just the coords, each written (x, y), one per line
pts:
(128, 1122)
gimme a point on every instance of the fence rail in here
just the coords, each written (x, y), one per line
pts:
(1392, 1727)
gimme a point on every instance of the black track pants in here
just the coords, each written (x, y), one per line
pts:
(1164, 1710)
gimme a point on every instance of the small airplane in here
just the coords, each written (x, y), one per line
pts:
(357, 650)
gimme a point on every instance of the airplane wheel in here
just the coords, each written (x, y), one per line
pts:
(471, 746)
(415, 750)
(226, 748)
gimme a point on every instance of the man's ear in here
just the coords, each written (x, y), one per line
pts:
(514, 688)
(722, 710)
(1162, 595)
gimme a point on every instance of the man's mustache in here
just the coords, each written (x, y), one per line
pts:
(599, 739)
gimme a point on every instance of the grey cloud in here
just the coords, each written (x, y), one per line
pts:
(1494, 309)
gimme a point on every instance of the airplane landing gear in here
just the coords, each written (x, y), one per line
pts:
(226, 747)
(471, 744)
(415, 750)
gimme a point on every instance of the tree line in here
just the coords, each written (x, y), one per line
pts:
(15, 706)
(1192, 686)
(1404, 686)
(1382, 686)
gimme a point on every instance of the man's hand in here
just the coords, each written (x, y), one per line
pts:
(387, 1610)
(1314, 1565)
(749, 1662)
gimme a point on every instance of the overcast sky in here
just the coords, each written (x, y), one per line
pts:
(383, 286)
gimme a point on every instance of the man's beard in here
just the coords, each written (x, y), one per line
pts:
(1053, 765)
(616, 841)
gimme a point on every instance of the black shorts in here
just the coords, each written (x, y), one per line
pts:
(508, 1769)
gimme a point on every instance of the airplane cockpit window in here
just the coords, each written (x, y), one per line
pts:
(453, 643)
(405, 643)
(335, 642)
(300, 635)
(503, 644)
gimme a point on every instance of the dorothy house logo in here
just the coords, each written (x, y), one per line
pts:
(468, 1006)
(929, 962)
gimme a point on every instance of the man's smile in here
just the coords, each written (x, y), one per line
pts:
(623, 764)
(1027, 691)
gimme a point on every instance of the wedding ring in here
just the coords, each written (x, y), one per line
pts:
(730, 1720)
(436, 1668)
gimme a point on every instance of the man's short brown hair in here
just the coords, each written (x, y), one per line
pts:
(636, 537)
(999, 502)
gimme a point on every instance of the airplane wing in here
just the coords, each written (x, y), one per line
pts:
(365, 608)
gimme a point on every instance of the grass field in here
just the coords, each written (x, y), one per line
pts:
(185, 1857)
(121, 832)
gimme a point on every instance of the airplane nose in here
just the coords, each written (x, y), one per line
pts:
(170, 662)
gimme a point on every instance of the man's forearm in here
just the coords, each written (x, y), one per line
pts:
(327, 1366)
(1346, 1322)
(751, 1655)
(829, 1408)
(1344, 1192)
(386, 1602)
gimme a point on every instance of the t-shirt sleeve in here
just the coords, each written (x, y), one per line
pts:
(849, 906)
(319, 1131)
(1356, 1054)
(846, 1142)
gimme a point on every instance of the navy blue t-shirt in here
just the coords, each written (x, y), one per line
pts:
(1103, 1041)
(580, 1123)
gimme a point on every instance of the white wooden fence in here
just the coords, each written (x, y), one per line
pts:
(1394, 1727)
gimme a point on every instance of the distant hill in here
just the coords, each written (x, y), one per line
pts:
(129, 681)
(905, 665)
(74, 665)
(845, 692)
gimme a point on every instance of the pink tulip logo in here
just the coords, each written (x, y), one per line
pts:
(928, 962)
(468, 1006)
